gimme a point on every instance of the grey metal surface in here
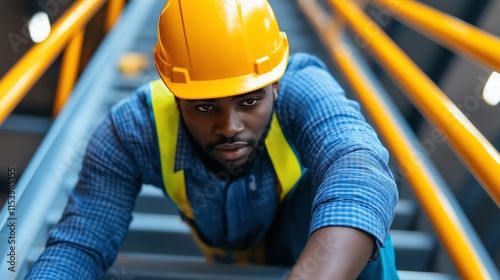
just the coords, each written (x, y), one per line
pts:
(149, 266)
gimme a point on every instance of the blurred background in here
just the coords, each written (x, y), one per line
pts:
(23, 131)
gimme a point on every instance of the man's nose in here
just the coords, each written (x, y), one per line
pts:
(229, 124)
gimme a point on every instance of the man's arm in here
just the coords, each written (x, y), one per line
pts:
(356, 190)
(95, 221)
(333, 253)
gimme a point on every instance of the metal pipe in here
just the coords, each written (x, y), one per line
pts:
(449, 31)
(114, 10)
(69, 71)
(481, 158)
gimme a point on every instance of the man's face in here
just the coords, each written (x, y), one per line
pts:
(228, 129)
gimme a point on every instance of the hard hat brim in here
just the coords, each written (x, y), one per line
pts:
(224, 87)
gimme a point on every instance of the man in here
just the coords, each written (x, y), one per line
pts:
(267, 160)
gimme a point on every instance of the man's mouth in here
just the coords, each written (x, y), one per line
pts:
(231, 151)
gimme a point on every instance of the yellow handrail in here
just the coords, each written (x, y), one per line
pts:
(71, 59)
(437, 207)
(481, 158)
(22, 76)
(442, 216)
(451, 32)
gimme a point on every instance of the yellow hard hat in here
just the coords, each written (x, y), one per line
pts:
(219, 48)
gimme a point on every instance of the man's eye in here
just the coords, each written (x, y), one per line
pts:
(250, 102)
(204, 108)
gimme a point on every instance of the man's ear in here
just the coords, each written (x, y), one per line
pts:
(276, 88)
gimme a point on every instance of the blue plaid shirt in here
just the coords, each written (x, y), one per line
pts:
(342, 152)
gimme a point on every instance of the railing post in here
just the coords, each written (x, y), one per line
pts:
(114, 10)
(69, 71)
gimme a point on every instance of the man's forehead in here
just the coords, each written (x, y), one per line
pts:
(260, 91)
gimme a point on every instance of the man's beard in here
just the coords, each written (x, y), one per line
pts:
(231, 169)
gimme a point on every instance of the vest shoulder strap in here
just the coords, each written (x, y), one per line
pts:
(285, 162)
(167, 127)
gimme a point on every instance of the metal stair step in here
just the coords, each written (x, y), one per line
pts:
(157, 266)
(154, 266)
(153, 200)
(159, 233)
(422, 275)
(159, 246)
(414, 249)
(405, 215)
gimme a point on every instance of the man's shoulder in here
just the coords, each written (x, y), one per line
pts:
(135, 102)
(301, 60)
(132, 112)
(304, 73)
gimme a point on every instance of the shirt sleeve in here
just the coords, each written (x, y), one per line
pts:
(86, 240)
(345, 157)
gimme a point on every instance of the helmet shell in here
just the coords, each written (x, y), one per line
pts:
(219, 48)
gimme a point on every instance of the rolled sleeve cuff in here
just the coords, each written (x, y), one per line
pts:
(349, 214)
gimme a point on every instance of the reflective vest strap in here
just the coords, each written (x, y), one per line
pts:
(167, 126)
(285, 162)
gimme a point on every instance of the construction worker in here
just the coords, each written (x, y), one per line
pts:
(263, 154)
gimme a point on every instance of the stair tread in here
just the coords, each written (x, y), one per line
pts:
(159, 266)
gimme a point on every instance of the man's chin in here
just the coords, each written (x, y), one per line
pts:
(233, 164)
(238, 167)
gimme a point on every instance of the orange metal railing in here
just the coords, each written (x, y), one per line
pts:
(474, 149)
(69, 70)
(67, 31)
(115, 8)
(71, 58)
(481, 157)
(455, 34)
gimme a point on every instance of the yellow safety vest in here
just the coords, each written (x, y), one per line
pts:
(285, 162)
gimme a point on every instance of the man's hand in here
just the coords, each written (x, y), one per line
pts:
(333, 253)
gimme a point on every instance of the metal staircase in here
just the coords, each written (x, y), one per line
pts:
(158, 245)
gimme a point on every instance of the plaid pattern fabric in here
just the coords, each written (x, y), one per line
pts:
(345, 158)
